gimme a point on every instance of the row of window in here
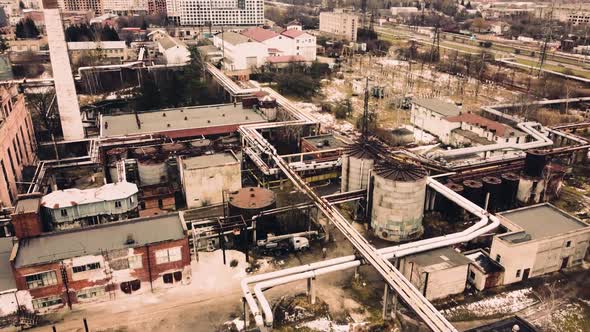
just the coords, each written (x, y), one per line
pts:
(16, 155)
(118, 205)
(49, 278)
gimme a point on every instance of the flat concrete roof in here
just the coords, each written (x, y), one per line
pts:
(441, 107)
(212, 160)
(6, 277)
(439, 259)
(540, 221)
(178, 121)
(57, 246)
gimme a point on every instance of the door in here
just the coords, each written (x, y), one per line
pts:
(525, 274)
(564, 263)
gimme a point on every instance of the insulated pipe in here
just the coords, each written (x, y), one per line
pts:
(390, 252)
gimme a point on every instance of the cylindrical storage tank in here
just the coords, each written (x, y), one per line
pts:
(509, 189)
(492, 188)
(268, 107)
(152, 171)
(474, 191)
(530, 189)
(173, 148)
(534, 163)
(397, 208)
(251, 201)
(451, 209)
(554, 176)
(402, 136)
(357, 164)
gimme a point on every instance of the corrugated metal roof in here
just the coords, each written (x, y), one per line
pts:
(57, 246)
(397, 171)
(436, 105)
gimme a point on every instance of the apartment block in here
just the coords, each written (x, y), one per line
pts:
(339, 24)
(216, 12)
(17, 142)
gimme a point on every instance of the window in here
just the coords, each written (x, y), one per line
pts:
(90, 293)
(41, 279)
(87, 267)
(471, 275)
(498, 258)
(117, 204)
(168, 255)
(46, 302)
(568, 244)
(64, 212)
(518, 273)
(135, 262)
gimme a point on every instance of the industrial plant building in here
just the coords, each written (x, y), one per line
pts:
(102, 262)
(540, 239)
(17, 142)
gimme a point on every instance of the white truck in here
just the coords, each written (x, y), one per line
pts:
(279, 244)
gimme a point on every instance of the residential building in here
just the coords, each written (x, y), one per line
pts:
(103, 262)
(339, 24)
(17, 142)
(540, 239)
(291, 42)
(484, 272)
(115, 50)
(240, 52)
(216, 12)
(437, 273)
(173, 50)
(84, 5)
(156, 7)
(74, 207)
(206, 178)
(125, 7)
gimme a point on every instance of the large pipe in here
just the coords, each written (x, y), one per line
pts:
(389, 252)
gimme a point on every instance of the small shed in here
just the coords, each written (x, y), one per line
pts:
(484, 272)
(437, 273)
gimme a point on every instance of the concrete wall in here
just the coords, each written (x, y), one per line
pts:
(340, 25)
(439, 284)
(204, 186)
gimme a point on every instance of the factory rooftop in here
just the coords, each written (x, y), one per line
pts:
(180, 122)
(538, 222)
(438, 106)
(6, 277)
(217, 159)
(483, 261)
(73, 196)
(439, 259)
(500, 129)
(324, 142)
(52, 247)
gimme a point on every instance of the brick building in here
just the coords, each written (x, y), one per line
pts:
(17, 142)
(102, 262)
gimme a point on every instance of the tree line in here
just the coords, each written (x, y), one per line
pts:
(85, 32)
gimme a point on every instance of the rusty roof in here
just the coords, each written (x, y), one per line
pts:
(252, 198)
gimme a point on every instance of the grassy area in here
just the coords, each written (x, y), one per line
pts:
(563, 70)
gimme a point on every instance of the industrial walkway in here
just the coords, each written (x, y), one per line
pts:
(67, 100)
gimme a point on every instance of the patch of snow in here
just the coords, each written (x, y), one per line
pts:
(324, 324)
(500, 304)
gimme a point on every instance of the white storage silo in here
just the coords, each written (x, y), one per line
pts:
(399, 191)
(152, 171)
(357, 163)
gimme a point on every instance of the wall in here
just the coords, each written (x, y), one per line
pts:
(204, 186)
(17, 142)
(342, 25)
(8, 302)
(441, 283)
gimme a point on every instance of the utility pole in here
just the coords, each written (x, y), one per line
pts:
(365, 122)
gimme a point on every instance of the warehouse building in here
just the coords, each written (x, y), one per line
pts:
(102, 262)
(540, 239)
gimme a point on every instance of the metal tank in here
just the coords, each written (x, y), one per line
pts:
(173, 148)
(449, 208)
(268, 107)
(532, 182)
(492, 188)
(534, 163)
(251, 201)
(152, 170)
(509, 190)
(357, 164)
(398, 195)
(474, 191)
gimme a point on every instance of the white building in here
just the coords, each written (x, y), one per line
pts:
(240, 52)
(291, 42)
(205, 178)
(437, 273)
(403, 10)
(429, 115)
(216, 12)
(175, 51)
(540, 239)
(338, 24)
(108, 49)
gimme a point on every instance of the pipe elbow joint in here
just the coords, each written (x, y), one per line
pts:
(258, 320)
